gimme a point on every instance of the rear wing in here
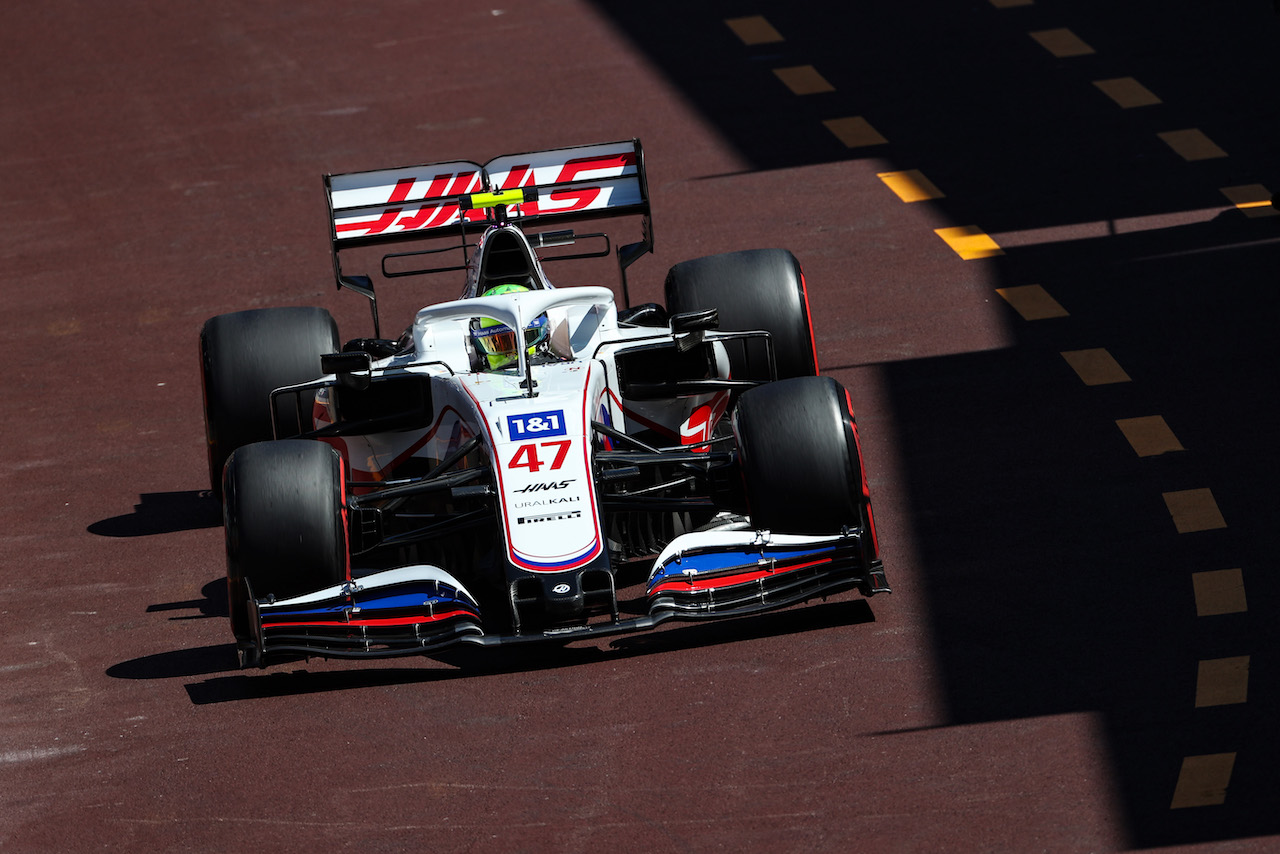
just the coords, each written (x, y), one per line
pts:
(438, 199)
(388, 205)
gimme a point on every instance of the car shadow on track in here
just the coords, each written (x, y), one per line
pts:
(214, 604)
(163, 513)
(228, 684)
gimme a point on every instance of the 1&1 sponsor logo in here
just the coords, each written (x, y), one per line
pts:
(536, 424)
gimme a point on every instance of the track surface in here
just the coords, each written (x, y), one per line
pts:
(1063, 666)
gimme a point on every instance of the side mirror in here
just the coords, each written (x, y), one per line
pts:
(689, 327)
(353, 370)
(692, 321)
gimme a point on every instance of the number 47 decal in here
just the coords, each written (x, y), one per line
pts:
(526, 456)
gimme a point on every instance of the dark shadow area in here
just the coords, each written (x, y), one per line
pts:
(214, 604)
(1016, 137)
(200, 661)
(1055, 577)
(163, 513)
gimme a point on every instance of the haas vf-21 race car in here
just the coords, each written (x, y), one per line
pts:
(527, 462)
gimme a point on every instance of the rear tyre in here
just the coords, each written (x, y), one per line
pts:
(246, 355)
(285, 524)
(801, 465)
(753, 289)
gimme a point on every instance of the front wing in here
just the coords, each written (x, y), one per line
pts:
(418, 609)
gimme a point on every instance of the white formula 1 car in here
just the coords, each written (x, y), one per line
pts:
(527, 462)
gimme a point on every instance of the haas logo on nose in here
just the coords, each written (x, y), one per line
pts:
(542, 487)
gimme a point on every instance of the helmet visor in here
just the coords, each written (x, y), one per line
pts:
(499, 343)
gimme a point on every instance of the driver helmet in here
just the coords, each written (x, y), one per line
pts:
(497, 342)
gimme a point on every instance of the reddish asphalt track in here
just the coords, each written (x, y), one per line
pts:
(1038, 679)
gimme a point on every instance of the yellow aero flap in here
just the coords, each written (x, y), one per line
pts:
(498, 197)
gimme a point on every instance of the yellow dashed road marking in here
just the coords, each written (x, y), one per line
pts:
(911, 185)
(1203, 780)
(754, 29)
(803, 80)
(1150, 435)
(1253, 199)
(855, 132)
(1192, 144)
(1222, 681)
(1061, 42)
(1194, 510)
(1032, 302)
(1219, 591)
(1127, 92)
(969, 242)
(1095, 367)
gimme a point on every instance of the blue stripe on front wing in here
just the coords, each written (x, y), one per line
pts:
(716, 560)
(395, 601)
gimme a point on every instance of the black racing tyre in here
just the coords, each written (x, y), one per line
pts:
(752, 289)
(285, 522)
(243, 357)
(801, 465)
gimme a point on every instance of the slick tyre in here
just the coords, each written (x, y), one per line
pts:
(244, 356)
(801, 465)
(283, 505)
(752, 289)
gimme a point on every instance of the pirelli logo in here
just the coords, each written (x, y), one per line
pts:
(549, 517)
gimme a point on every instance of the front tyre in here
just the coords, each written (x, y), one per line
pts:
(286, 534)
(801, 463)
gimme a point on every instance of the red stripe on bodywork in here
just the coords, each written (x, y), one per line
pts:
(652, 425)
(418, 445)
(387, 621)
(695, 583)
